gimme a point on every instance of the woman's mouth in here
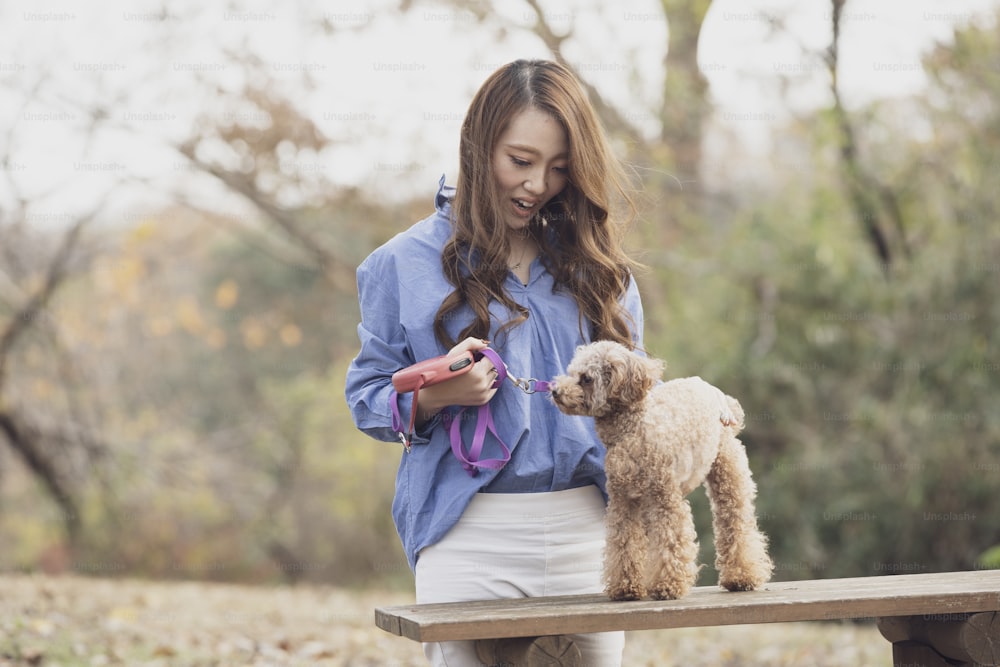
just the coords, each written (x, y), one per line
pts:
(523, 208)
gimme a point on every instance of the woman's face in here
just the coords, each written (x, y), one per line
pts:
(530, 164)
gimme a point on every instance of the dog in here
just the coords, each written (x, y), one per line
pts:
(663, 440)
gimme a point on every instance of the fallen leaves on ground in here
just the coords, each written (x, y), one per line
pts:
(76, 621)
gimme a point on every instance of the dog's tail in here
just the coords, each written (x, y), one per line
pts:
(737, 411)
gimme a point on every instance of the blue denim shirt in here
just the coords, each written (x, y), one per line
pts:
(400, 287)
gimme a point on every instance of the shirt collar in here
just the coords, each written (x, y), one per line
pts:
(445, 193)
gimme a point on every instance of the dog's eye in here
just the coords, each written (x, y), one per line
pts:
(586, 379)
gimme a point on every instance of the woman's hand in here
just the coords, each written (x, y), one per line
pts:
(472, 388)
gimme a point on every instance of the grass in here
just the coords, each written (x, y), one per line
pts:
(76, 621)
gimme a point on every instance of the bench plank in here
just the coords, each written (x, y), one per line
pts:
(778, 602)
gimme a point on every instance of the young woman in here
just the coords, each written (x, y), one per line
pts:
(525, 251)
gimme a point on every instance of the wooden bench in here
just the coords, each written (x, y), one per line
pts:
(932, 620)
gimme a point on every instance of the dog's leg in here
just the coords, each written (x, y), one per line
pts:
(673, 555)
(741, 549)
(626, 544)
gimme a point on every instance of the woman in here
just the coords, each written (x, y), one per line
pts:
(525, 251)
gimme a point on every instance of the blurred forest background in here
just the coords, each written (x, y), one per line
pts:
(171, 378)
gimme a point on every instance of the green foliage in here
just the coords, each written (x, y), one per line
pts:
(990, 559)
(869, 393)
(217, 359)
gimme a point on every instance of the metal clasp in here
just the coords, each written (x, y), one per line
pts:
(405, 441)
(525, 385)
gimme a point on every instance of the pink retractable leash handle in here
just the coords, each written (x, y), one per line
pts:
(424, 374)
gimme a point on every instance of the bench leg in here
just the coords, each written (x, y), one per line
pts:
(944, 639)
(915, 654)
(548, 651)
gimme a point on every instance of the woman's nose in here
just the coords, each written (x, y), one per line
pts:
(535, 183)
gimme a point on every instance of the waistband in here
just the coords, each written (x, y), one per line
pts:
(539, 505)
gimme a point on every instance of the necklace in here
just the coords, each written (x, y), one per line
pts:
(515, 267)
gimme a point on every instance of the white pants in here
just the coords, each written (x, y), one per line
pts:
(520, 545)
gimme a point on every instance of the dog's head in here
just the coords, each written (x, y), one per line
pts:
(604, 377)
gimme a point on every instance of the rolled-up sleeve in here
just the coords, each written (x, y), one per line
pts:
(383, 351)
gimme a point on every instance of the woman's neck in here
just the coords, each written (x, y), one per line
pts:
(523, 251)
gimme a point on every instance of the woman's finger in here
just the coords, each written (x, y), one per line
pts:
(469, 345)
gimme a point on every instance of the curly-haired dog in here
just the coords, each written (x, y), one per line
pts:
(662, 441)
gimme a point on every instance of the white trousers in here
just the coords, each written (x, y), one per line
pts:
(520, 545)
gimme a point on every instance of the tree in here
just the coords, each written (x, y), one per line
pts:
(685, 105)
(683, 108)
(47, 447)
(875, 204)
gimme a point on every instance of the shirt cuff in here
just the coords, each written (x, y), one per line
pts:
(402, 410)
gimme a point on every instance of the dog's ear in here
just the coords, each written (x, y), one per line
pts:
(649, 371)
(632, 376)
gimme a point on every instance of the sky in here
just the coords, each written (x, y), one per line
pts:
(390, 89)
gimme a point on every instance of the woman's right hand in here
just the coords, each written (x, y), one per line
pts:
(473, 388)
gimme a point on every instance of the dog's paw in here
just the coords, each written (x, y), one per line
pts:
(742, 583)
(625, 592)
(750, 571)
(737, 586)
(669, 591)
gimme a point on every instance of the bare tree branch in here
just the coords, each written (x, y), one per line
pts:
(613, 120)
(260, 240)
(29, 441)
(24, 440)
(248, 189)
(864, 203)
(35, 304)
(327, 259)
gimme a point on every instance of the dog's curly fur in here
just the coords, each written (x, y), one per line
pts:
(662, 441)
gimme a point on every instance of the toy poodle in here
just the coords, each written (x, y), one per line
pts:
(663, 440)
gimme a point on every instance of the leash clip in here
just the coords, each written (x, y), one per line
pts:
(529, 385)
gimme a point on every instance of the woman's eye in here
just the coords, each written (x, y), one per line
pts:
(562, 170)
(519, 162)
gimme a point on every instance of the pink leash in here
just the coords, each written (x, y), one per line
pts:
(470, 458)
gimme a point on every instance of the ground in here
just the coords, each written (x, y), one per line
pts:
(75, 621)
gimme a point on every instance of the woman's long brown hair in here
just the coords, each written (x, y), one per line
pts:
(583, 250)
